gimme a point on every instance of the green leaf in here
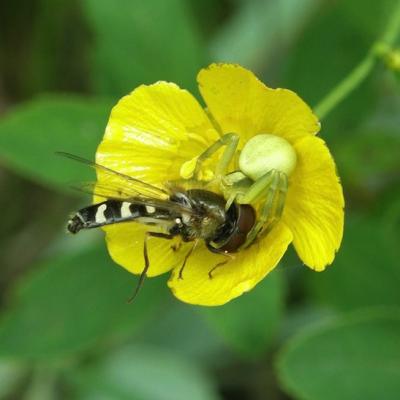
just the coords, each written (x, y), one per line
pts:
(259, 28)
(184, 331)
(248, 324)
(54, 48)
(69, 303)
(143, 373)
(31, 134)
(43, 383)
(11, 373)
(314, 68)
(353, 358)
(365, 271)
(301, 315)
(138, 42)
(369, 160)
(371, 20)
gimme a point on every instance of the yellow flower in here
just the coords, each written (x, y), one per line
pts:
(156, 129)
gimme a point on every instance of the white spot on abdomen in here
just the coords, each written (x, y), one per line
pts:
(100, 217)
(150, 209)
(125, 210)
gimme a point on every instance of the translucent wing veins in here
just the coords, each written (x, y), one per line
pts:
(124, 184)
(124, 187)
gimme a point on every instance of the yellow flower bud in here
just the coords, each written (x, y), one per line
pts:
(393, 60)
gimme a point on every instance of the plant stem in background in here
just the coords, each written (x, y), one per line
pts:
(380, 49)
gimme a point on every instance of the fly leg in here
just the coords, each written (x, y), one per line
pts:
(175, 247)
(180, 275)
(146, 260)
(229, 256)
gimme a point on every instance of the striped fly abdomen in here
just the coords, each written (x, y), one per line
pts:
(115, 211)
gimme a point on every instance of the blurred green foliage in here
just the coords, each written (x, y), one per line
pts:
(66, 331)
(125, 374)
(248, 329)
(49, 124)
(81, 283)
(152, 37)
(356, 356)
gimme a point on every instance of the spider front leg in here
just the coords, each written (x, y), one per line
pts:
(271, 188)
(230, 140)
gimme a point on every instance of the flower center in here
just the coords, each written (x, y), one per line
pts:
(264, 153)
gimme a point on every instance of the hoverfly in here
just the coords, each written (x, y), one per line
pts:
(192, 214)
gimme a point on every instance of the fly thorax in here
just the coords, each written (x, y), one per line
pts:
(210, 224)
(208, 213)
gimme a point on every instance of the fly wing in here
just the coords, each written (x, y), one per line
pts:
(114, 192)
(126, 185)
(126, 188)
(107, 191)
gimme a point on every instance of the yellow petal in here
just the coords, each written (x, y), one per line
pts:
(232, 279)
(314, 204)
(153, 131)
(242, 104)
(125, 243)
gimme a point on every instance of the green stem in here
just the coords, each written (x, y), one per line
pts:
(345, 87)
(362, 70)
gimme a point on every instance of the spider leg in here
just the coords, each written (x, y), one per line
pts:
(273, 203)
(270, 215)
(230, 201)
(282, 190)
(230, 140)
(257, 189)
(146, 260)
(234, 185)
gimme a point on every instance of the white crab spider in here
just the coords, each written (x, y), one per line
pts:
(264, 165)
